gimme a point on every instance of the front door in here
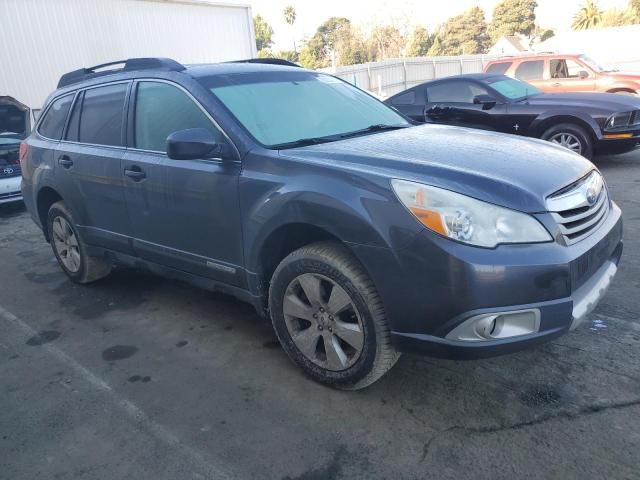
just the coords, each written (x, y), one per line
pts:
(184, 213)
(567, 75)
(452, 103)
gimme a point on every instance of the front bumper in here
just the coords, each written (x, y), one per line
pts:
(436, 285)
(10, 190)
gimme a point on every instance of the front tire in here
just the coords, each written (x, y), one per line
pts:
(70, 250)
(572, 137)
(329, 317)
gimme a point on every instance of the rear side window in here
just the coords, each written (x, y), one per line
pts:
(98, 116)
(408, 98)
(53, 121)
(499, 68)
(530, 70)
(163, 109)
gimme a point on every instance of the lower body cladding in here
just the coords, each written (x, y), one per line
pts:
(451, 300)
(10, 189)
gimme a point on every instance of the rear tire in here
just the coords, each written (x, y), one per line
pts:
(571, 136)
(70, 250)
(338, 334)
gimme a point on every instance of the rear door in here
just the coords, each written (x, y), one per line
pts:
(184, 213)
(87, 163)
(533, 72)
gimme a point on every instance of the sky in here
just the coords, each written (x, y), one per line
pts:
(556, 14)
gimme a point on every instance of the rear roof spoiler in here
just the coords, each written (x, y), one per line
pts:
(268, 61)
(131, 64)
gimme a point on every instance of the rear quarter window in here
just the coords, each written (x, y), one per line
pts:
(499, 68)
(52, 123)
(530, 70)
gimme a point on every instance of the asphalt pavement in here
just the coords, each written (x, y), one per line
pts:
(141, 377)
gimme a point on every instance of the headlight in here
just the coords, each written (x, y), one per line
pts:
(466, 219)
(619, 120)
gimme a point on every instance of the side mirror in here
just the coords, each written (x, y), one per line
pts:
(583, 74)
(487, 101)
(194, 143)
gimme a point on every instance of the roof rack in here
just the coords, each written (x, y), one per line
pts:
(268, 61)
(127, 66)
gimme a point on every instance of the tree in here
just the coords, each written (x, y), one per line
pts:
(589, 16)
(386, 42)
(511, 17)
(263, 32)
(419, 42)
(634, 7)
(317, 51)
(351, 47)
(290, 18)
(615, 17)
(541, 34)
(462, 34)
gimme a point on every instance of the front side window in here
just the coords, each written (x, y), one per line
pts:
(454, 92)
(561, 68)
(163, 109)
(53, 122)
(408, 98)
(531, 70)
(279, 108)
(99, 119)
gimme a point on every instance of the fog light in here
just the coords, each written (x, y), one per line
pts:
(498, 325)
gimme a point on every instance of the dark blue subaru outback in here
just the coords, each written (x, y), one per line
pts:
(359, 234)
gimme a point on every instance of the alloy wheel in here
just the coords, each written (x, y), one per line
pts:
(65, 242)
(323, 321)
(567, 140)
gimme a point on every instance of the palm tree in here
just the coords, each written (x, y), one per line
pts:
(589, 16)
(290, 18)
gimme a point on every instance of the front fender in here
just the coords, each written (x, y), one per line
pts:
(359, 209)
(544, 120)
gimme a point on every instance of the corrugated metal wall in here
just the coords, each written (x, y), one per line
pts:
(389, 77)
(42, 39)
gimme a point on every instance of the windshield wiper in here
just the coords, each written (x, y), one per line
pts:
(305, 142)
(379, 127)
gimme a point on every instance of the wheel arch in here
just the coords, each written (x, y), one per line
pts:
(588, 124)
(47, 196)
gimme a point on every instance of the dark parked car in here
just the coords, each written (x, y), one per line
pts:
(586, 123)
(358, 234)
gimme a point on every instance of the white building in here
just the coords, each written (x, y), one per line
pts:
(42, 39)
(510, 45)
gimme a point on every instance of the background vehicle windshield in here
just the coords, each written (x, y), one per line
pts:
(283, 107)
(513, 89)
(595, 66)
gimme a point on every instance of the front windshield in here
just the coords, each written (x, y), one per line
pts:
(284, 107)
(513, 89)
(590, 62)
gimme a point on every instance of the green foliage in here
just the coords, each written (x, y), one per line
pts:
(419, 42)
(462, 34)
(589, 16)
(289, 14)
(543, 34)
(616, 18)
(634, 9)
(511, 17)
(317, 50)
(263, 32)
(386, 42)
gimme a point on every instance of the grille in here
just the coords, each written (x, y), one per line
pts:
(580, 208)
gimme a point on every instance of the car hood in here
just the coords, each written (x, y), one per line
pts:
(608, 101)
(506, 170)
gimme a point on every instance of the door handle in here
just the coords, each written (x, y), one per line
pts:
(135, 173)
(557, 84)
(65, 162)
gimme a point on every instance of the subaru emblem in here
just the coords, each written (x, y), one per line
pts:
(591, 196)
